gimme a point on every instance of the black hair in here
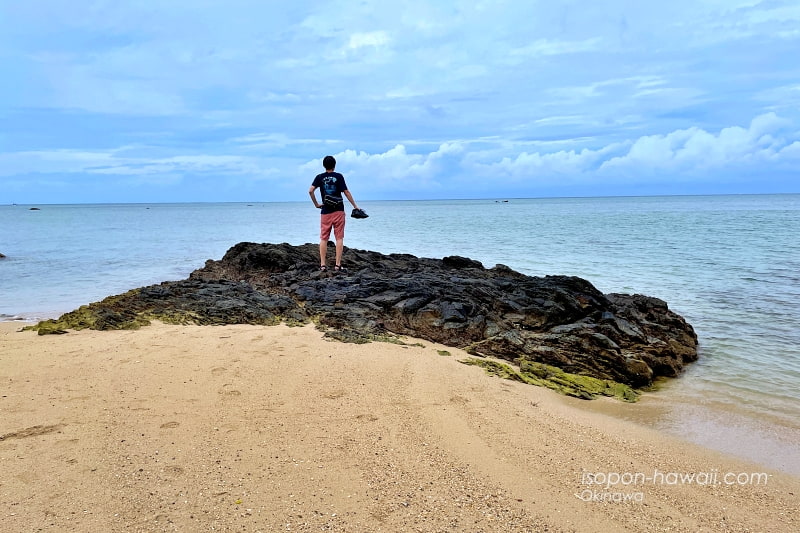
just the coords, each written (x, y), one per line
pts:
(329, 162)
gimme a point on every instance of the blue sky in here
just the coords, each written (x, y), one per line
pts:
(119, 101)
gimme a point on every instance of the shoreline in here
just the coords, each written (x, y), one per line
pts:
(759, 437)
(767, 441)
(247, 426)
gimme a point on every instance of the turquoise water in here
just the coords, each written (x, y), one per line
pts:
(729, 264)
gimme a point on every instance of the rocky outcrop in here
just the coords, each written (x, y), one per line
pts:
(557, 321)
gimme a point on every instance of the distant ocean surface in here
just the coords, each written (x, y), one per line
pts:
(729, 264)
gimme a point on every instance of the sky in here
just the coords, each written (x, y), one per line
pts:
(187, 101)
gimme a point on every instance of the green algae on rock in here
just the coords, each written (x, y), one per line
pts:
(542, 375)
(99, 315)
(182, 302)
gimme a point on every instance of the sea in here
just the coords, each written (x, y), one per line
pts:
(730, 265)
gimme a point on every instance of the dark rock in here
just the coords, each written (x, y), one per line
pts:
(455, 261)
(558, 321)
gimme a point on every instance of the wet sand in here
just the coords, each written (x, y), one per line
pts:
(773, 442)
(245, 428)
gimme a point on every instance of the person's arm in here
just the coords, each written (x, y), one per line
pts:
(311, 192)
(350, 197)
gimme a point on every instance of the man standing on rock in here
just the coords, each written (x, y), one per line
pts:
(331, 185)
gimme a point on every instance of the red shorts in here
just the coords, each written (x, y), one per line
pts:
(333, 221)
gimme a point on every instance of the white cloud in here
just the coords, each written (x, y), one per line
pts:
(791, 152)
(261, 141)
(114, 163)
(395, 166)
(184, 164)
(693, 150)
(548, 47)
(272, 97)
(419, 95)
(774, 11)
(781, 95)
(549, 166)
(683, 154)
(480, 164)
(51, 162)
(369, 39)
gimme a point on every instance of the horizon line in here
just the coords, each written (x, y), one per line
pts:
(498, 198)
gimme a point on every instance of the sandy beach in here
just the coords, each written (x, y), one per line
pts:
(245, 428)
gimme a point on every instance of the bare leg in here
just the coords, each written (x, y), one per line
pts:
(323, 252)
(339, 249)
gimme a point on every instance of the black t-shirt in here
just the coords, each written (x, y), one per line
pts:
(332, 185)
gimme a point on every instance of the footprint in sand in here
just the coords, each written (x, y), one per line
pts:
(226, 390)
(78, 398)
(173, 470)
(33, 431)
(459, 400)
